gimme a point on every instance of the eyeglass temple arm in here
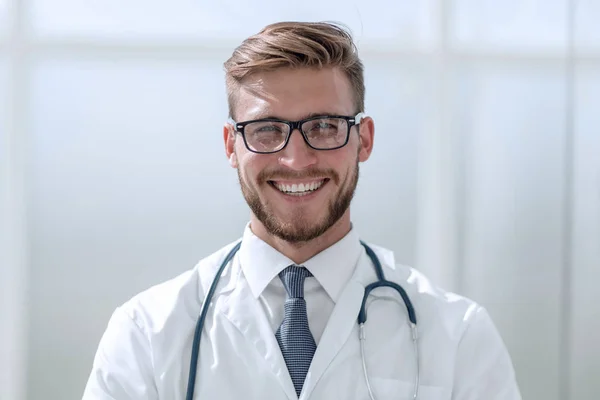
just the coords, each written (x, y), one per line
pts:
(359, 117)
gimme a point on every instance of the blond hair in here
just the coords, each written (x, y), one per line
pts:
(296, 44)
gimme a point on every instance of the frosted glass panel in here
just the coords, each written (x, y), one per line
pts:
(585, 320)
(407, 21)
(587, 26)
(3, 156)
(3, 106)
(513, 24)
(3, 18)
(129, 186)
(513, 120)
(385, 207)
(3, 138)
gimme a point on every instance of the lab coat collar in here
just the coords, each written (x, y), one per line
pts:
(343, 320)
(244, 311)
(333, 267)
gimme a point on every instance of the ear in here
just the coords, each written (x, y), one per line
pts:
(229, 137)
(366, 137)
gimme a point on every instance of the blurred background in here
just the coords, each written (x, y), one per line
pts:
(485, 173)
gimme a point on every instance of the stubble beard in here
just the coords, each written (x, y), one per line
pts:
(299, 229)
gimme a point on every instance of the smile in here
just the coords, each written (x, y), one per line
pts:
(298, 188)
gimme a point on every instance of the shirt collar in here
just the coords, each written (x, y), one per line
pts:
(332, 268)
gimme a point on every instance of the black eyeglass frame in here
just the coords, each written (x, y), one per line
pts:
(296, 125)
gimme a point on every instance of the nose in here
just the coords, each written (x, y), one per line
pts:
(297, 154)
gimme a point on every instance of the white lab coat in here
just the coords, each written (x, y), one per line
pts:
(145, 351)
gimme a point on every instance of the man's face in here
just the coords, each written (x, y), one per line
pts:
(329, 177)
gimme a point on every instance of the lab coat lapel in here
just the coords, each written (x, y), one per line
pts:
(339, 327)
(244, 311)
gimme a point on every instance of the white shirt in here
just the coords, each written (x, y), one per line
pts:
(331, 270)
(145, 351)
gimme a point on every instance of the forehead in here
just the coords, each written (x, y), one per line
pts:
(294, 94)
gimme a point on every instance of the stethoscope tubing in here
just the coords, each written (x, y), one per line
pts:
(362, 317)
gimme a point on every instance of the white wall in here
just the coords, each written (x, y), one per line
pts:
(113, 117)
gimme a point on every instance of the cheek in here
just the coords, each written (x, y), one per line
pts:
(246, 172)
(250, 166)
(344, 163)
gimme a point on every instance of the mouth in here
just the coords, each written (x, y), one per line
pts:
(299, 188)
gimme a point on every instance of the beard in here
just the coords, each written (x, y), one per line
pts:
(299, 228)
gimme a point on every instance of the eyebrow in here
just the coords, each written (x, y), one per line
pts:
(307, 116)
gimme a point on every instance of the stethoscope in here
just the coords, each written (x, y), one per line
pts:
(362, 319)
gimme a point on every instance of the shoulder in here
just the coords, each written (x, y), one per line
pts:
(144, 335)
(177, 298)
(456, 331)
(435, 307)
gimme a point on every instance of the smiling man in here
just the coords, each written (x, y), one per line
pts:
(299, 186)
(279, 314)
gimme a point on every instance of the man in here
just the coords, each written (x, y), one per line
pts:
(282, 321)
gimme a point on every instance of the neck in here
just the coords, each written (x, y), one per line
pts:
(300, 252)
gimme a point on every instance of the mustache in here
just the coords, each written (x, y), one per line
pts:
(272, 175)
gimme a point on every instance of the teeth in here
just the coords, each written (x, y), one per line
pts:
(299, 188)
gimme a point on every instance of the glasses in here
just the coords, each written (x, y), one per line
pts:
(270, 135)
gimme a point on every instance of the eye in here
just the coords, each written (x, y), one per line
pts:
(266, 128)
(269, 128)
(324, 125)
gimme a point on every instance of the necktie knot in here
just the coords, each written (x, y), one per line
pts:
(293, 280)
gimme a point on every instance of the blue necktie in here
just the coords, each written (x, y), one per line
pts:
(295, 340)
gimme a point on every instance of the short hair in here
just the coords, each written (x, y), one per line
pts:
(295, 45)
